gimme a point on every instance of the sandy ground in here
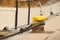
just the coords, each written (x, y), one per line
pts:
(7, 17)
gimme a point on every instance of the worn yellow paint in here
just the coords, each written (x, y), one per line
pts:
(39, 18)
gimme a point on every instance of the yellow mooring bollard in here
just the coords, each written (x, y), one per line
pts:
(38, 19)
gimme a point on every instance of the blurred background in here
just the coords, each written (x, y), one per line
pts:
(23, 3)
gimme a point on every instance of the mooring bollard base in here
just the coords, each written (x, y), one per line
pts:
(38, 29)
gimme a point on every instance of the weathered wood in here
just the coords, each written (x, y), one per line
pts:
(11, 3)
